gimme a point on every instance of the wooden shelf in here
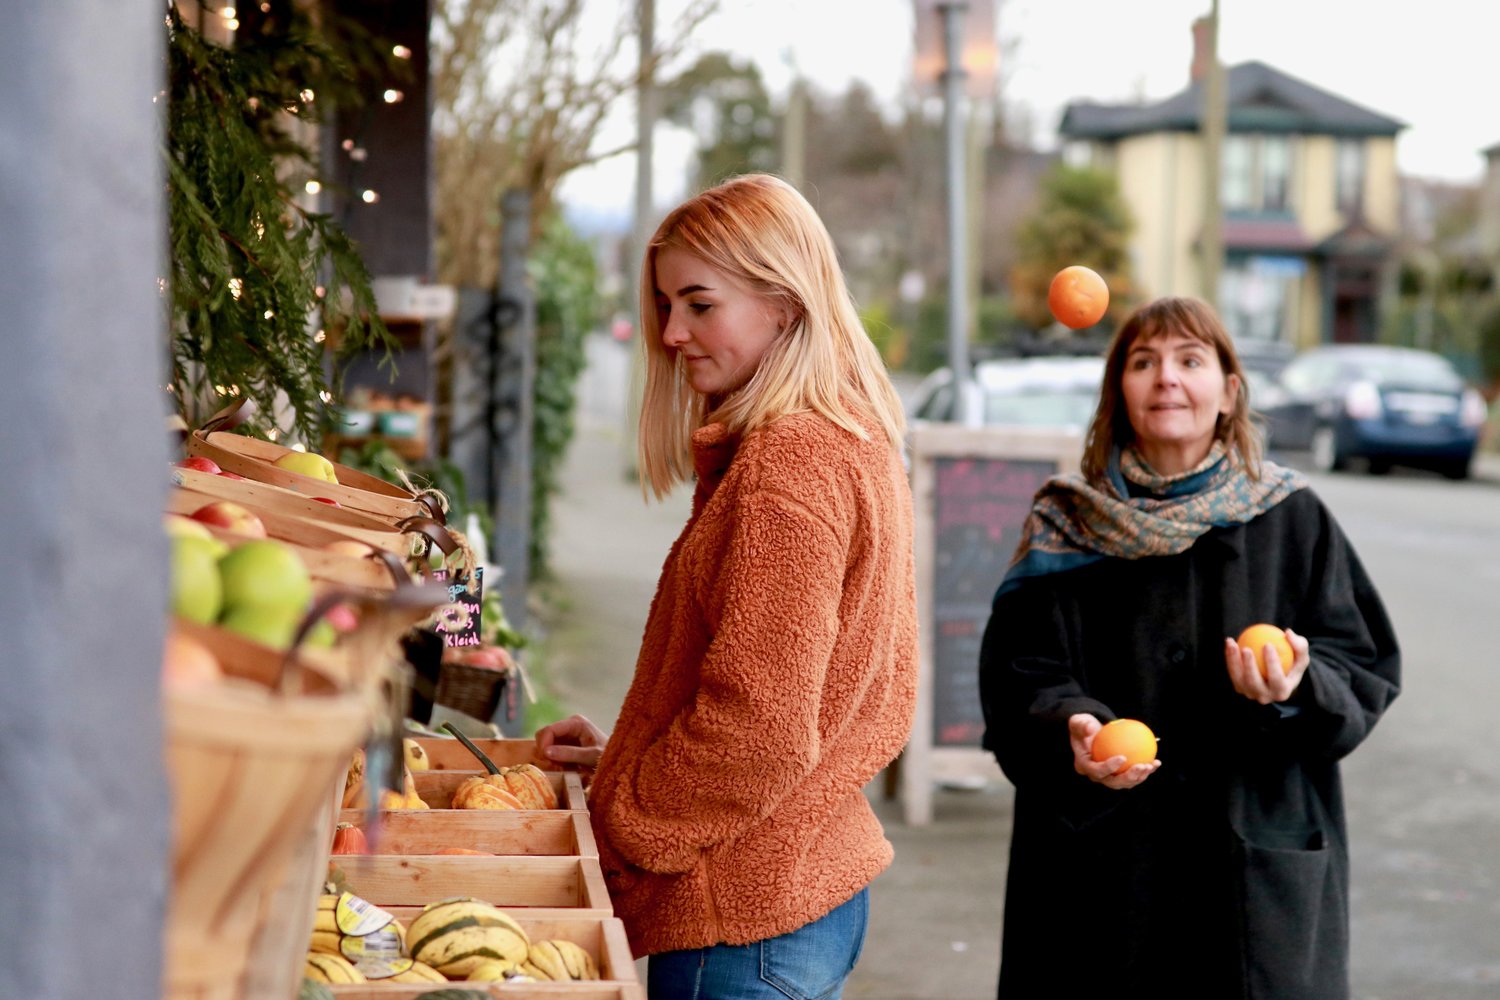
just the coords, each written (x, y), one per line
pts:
(411, 449)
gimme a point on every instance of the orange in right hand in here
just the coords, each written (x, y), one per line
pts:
(1129, 738)
(1078, 297)
(1257, 637)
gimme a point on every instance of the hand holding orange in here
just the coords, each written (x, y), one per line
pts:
(1257, 637)
(1129, 738)
(1078, 297)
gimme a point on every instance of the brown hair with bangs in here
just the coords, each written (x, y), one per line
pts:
(1111, 426)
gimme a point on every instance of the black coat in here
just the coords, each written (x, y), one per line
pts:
(1226, 873)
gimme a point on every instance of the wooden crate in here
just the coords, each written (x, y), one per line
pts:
(603, 937)
(437, 787)
(255, 459)
(444, 753)
(552, 886)
(299, 529)
(500, 991)
(556, 833)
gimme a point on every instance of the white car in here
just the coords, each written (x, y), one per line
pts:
(1059, 391)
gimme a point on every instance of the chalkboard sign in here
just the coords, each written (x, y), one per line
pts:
(979, 505)
(458, 622)
(973, 488)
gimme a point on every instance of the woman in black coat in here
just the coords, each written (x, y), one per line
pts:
(1221, 869)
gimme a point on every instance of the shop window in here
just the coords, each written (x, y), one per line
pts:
(1256, 173)
(1349, 165)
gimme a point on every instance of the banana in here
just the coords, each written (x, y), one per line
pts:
(325, 942)
(547, 960)
(419, 973)
(331, 969)
(580, 963)
(490, 971)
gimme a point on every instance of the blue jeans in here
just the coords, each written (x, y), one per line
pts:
(810, 963)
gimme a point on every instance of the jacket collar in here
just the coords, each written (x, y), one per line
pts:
(713, 450)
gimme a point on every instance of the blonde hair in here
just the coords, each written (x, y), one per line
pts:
(1111, 425)
(761, 231)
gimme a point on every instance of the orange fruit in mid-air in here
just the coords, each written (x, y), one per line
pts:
(1078, 297)
(1257, 637)
(1125, 737)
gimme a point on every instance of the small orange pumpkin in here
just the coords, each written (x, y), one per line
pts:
(349, 839)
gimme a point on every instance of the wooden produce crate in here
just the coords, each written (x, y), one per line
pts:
(543, 832)
(500, 991)
(444, 753)
(549, 886)
(312, 529)
(437, 787)
(255, 459)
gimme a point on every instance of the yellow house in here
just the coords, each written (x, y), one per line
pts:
(1309, 195)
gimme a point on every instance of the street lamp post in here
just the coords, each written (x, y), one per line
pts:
(955, 43)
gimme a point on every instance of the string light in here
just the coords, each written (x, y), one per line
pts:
(319, 337)
(269, 314)
(228, 13)
(401, 52)
(326, 396)
(393, 96)
(313, 187)
(307, 95)
(369, 196)
(320, 291)
(358, 154)
(299, 446)
(347, 145)
(236, 286)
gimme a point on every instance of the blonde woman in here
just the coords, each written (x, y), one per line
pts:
(777, 672)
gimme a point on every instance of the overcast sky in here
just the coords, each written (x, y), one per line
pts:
(1433, 65)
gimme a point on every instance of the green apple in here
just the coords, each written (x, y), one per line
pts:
(322, 635)
(264, 573)
(266, 624)
(307, 463)
(196, 592)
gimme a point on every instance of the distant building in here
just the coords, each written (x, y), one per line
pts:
(1309, 193)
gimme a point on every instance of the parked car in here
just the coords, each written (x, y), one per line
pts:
(1386, 405)
(1053, 391)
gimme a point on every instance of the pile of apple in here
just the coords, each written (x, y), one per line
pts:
(259, 588)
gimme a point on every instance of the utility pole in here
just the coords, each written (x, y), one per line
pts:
(958, 231)
(1213, 116)
(794, 135)
(646, 112)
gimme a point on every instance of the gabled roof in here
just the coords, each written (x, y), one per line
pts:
(1258, 98)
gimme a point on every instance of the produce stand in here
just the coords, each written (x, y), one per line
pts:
(264, 762)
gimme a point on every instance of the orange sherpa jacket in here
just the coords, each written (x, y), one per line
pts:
(777, 676)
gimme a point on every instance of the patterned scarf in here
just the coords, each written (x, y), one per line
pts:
(1073, 523)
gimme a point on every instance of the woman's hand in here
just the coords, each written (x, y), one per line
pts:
(1276, 686)
(573, 742)
(1081, 730)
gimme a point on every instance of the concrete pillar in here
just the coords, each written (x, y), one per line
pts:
(83, 457)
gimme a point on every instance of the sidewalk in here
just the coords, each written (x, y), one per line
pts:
(935, 914)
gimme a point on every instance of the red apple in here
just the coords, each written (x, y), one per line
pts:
(188, 663)
(231, 475)
(348, 547)
(342, 618)
(200, 463)
(331, 503)
(230, 516)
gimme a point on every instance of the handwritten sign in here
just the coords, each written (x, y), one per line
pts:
(458, 622)
(973, 488)
(979, 505)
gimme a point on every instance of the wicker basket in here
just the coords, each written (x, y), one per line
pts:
(474, 691)
(253, 773)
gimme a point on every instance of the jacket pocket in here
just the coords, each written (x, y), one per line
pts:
(1293, 911)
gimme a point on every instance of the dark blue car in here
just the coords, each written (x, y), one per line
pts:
(1386, 405)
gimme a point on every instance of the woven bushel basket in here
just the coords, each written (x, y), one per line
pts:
(253, 775)
(474, 691)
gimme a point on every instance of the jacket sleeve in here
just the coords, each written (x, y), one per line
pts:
(1355, 671)
(751, 734)
(1029, 686)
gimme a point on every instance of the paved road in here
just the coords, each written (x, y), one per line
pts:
(1423, 793)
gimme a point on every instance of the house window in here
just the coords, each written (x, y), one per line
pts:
(1349, 164)
(1256, 173)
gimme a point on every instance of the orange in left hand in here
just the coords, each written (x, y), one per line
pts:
(1129, 738)
(1257, 637)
